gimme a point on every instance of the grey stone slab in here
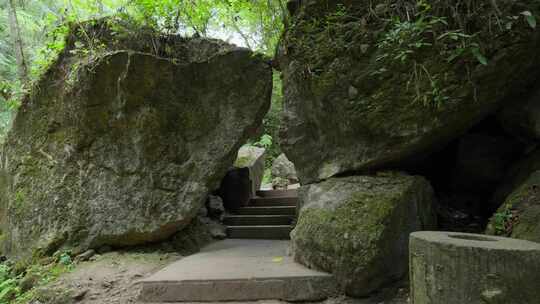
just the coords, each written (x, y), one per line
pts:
(238, 270)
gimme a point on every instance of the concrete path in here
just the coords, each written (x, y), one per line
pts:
(238, 270)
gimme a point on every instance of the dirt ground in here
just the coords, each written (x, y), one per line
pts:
(111, 278)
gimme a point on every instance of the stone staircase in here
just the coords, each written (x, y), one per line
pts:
(269, 216)
(237, 270)
(252, 265)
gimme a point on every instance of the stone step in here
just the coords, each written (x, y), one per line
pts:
(274, 201)
(251, 220)
(237, 270)
(268, 210)
(281, 232)
(277, 193)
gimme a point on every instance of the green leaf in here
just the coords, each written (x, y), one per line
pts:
(265, 141)
(65, 259)
(530, 18)
(6, 288)
(479, 56)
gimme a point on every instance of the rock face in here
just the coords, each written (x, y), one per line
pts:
(485, 270)
(121, 147)
(518, 201)
(283, 172)
(523, 121)
(519, 216)
(252, 158)
(357, 98)
(357, 227)
(482, 161)
(516, 175)
(235, 189)
(193, 237)
(215, 207)
(427, 88)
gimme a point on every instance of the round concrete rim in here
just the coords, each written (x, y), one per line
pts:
(460, 239)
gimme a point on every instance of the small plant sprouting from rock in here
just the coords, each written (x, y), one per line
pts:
(18, 202)
(264, 142)
(409, 39)
(430, 49)
(327, 34)
(502, 222)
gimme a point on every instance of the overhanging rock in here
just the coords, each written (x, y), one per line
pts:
(122, 146)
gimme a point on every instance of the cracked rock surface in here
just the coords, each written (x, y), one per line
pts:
(121, 146)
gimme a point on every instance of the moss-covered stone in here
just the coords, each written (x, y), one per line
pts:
(519, 216)
(358, 98)
(120, 145)
(357, 227)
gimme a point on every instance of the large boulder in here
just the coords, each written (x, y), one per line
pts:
(235, 189)
(357, 227)
(283, 172)
(371, 84)
(120, 146)
(253, 158)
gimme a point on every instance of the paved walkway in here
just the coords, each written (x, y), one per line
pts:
(238, 270)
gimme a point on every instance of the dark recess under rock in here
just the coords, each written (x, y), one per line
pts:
(467, 172)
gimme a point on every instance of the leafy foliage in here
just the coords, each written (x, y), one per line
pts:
(406, 40)
(430, 49)
(530, 18)
(264, 142)
(8, 284)
(503, 222)
(11, 277)
(272, 121)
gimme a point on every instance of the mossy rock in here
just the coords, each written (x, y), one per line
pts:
(515, 176)
(357, 227)
(350, 106)
(519, 216)
(121, 145)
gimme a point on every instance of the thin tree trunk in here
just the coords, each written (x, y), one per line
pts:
(244, 36)
(101, 8)
(15, 32)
